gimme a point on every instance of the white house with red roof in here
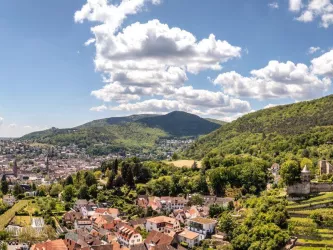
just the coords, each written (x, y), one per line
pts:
(128, 236)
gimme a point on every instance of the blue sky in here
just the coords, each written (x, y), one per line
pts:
(48, 77)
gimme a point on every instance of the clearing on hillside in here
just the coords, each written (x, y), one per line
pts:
(184, 163)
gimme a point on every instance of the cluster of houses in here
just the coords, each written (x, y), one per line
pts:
(97, 226)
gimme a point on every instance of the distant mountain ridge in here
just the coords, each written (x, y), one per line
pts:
(135, 132)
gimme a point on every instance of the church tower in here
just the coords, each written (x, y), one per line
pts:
(15, 168)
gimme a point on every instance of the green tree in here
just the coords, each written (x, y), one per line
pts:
(226, 224)
(68, 193)
(17, 190)
(83, 192)
(93, 191)
(197, 200)
(290, 172)
(111, 180)
(55, 190)
(4, 185)
(69, 180)
(90, 178)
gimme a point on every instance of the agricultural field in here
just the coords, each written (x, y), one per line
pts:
(310, 224)
(183, 163)
(9, 214)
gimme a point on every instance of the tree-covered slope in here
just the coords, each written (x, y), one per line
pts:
(135, 133)
(179, 123)
(301, 127)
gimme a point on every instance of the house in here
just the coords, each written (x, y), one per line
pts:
(163, 224)
(128, 237)
(83, 224)
(138, 223)
(202, 226)
(155, 238)
(170, 203)
(114, 212)
(105, 221)
(50, 245)
(190, 238)
(81, 238)
(9, 200)
(70, 217)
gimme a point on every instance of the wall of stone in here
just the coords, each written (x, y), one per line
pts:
(321, 187)
(299, 189)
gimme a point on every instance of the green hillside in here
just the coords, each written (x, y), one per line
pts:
(135, 133)
(304, 129)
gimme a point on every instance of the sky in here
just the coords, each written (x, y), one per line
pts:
(64, 63)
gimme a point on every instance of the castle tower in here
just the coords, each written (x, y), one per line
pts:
(305, 174)
(15, 168)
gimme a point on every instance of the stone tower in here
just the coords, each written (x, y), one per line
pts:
(305, 174)
(325, 167)
(15, 168)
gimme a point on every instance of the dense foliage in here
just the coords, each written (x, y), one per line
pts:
(303, 129)
(262, 227)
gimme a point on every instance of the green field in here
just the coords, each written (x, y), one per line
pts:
(9, 214)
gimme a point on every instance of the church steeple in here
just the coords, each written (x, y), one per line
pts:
(15, 168)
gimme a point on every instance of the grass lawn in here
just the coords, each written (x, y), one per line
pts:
(9, 214)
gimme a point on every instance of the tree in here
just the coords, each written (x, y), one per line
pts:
(93, 191)
(55, 190)
(90, 178)
(119, 181)
(226, 224)
(68, 193)
(17, 190)
(83, 192)
(110, 182)
(4, 185)
(197, 200)
(114, 167)
(69, 180)
(290, 172)
(215, 210)
(175, 157)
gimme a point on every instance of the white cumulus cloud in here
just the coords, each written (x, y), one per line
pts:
(151, 62)
(276, 80)
(323, 65)
(312, 9)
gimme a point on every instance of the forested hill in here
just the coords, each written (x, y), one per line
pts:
(136, 132)
(305, 127)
